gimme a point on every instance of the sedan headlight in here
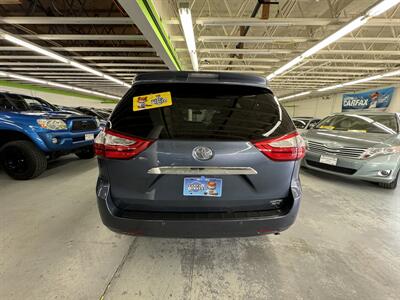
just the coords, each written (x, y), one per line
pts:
(371, 152)
(52, 124)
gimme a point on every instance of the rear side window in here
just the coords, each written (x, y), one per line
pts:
(203, 112)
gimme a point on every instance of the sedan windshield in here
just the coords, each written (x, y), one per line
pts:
(373, 123)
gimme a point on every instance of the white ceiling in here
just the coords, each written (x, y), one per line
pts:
(291, 27)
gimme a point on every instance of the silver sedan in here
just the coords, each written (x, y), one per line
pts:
(357, 145)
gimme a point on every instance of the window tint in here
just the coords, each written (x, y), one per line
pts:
(5, 105)
(203, 111)
(361, 123)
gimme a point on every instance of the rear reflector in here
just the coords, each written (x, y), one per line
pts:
(284, 148)
(110, 144)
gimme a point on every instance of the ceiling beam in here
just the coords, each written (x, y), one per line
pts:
(243, 51)
(206, 66)
(148, 21)
(235, 59)
(86, 49)
(287, 39)
(84, 37)
(275, 22)
(121, 58)
(287, 51)
(67, 20)
(250, 39)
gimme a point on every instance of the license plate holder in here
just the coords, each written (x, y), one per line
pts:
(328, 160)
(202, 186)
(89, 137)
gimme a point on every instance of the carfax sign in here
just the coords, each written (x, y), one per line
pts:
(374, 99)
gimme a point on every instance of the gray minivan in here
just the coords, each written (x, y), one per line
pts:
(192, 154)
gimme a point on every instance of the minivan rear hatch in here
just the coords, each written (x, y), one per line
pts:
(199, 147)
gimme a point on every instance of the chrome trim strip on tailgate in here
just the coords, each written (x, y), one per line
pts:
(193, 170)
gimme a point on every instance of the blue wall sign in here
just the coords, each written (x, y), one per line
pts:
(374, 99)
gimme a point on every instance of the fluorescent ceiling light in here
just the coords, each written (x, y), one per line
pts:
(330, 88)
(382, 7)
(362, 80)
(390, 74)
(114, 79)
(335, 36)
(56, 84)
(187, 27)
(356, 23)
(296, 95)
(87, 69)
(63, 86)
(25, 78)
(40, 50)
(285, 67)
(35, 48)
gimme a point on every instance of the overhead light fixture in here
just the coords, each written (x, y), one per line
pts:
(25, 78)
(362, 80)
(114, 79)
(337, 86)
(35, 48)
(87, 69)
(391, 74)
(356, 23)
(56, 84)
(382, 7)
(336, 36)
(295, 95)
(330, 88)
(187, 27)
(285, 67)
(51, 54)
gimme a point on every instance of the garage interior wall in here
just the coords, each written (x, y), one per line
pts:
(324, 105)
(58, 99)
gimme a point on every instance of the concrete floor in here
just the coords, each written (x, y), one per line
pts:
(344, 245)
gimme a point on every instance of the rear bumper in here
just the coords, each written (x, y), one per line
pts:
(192, 225)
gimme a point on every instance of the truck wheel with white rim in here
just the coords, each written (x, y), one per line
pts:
(22, 160)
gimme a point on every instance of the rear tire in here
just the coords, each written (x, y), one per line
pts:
(22, 160)
(391, 185)
(85, 153)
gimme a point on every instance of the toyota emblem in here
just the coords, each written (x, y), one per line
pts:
(202, 153)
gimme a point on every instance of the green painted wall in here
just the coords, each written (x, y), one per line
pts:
(4, 83)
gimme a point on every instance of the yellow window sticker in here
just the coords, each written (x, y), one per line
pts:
(327, 127)
(152, 101)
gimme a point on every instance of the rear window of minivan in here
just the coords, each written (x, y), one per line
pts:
(203, 112)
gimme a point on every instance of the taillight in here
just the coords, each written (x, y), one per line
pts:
(284, 148)
(110, 144)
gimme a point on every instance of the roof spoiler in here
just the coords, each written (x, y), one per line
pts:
(202, 77)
